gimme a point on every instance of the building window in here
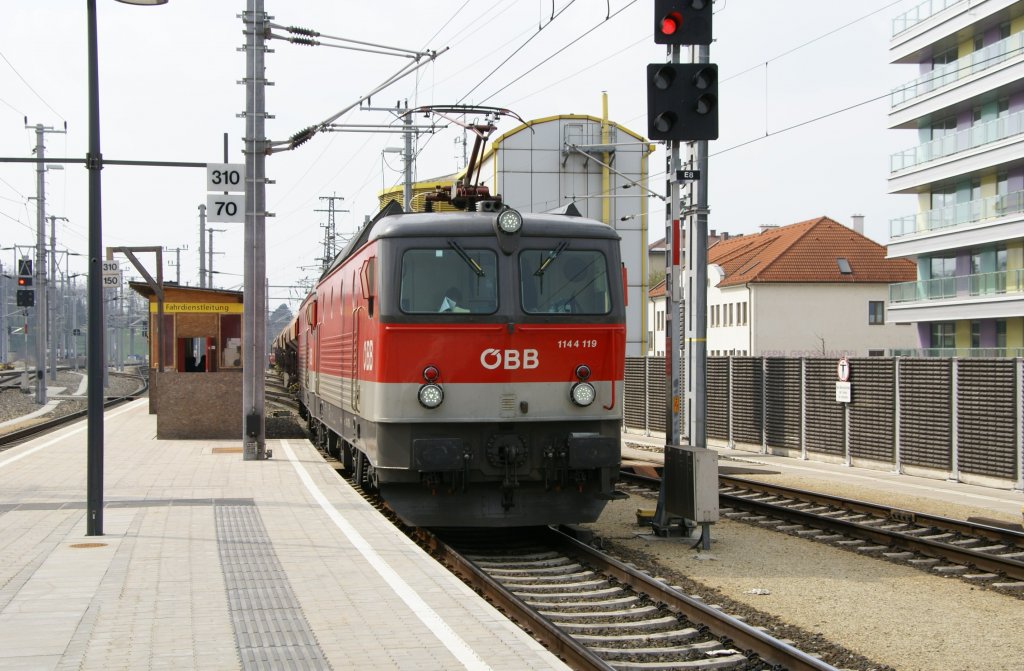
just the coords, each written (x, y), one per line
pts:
(876, 312)
(975, 334)
(1001, 333)
(943, 128)
(942, 266)
(744, 308)
(945, 57)
(730, 322)
(944, 335)
(844, 266)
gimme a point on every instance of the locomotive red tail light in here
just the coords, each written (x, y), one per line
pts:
(431, 373)
(583, 372)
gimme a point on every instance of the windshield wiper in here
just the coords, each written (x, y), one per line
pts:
(552, 255)
(473, 265)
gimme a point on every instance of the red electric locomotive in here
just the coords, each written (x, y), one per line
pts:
(469, 365)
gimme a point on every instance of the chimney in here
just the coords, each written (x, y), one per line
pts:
(858, 223)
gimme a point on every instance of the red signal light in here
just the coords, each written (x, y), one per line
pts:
(24, 282)
(431, 373)
(670, 23)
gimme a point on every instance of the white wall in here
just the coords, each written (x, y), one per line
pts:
(794, 319)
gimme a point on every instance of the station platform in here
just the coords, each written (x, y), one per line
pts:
(878, 486)
(208, 561)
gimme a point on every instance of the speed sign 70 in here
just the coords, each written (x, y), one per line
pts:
(225, 207)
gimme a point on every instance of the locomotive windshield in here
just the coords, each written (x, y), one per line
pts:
(563, 280)
(451, 279)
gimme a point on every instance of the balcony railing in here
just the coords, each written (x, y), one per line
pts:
(981, 284)
(976, 136)
(947, 73)
(916, 15)
(960, 214)
(962, 352)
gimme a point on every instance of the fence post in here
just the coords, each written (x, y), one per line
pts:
(846, 434)
(732, 443)
(954, 460)
(897, 460)
(1019, 396)
(803, 408)
(764, 407)
(647, 399)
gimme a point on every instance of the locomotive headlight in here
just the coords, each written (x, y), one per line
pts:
(431, 396)
(582, 394)
(510, 221)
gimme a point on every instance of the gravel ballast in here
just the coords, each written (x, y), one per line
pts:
(14, 403)
(822, 597)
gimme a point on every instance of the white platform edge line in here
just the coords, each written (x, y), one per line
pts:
(68, 434)
(427, 615)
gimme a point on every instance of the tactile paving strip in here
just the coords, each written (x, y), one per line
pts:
(270, 630)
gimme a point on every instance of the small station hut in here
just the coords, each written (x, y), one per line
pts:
(201, 333)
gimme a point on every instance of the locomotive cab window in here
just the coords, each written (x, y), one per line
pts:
(451, 279)
(564, 281)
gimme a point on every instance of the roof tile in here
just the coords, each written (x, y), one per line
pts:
(807, 252)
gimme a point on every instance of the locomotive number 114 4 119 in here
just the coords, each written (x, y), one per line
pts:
(577, 344)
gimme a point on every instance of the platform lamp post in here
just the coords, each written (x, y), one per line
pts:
(94, 347)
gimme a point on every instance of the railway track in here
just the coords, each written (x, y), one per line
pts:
(13, 438)
(598, 613)
(593, 611)
(978, 553)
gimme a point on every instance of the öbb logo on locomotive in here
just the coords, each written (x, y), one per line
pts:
(509, 359)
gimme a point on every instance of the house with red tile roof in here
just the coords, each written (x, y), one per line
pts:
(656, 320)
(814, 288)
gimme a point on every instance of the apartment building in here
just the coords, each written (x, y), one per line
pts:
(966, 103)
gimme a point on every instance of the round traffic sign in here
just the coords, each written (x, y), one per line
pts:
(843, 369)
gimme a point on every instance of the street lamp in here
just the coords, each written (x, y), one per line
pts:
(94, 344)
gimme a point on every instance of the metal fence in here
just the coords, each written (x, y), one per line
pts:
(962, 417)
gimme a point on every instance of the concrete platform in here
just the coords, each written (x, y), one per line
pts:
(211, 562)
(1004, 501)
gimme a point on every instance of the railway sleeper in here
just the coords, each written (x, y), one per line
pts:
(566, 596)
(567, 578)
(692, 650)
(637, 639)
(589, 606)
(582, 618)
(614, 626)
(581, 585)
(491, 561)
(733, 661)
(565, 569)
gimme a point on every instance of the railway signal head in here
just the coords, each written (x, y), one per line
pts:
(682, 101)
(682, 21)
(24, 281)
(26, 298)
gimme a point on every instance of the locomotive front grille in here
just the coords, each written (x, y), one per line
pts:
(507, 408)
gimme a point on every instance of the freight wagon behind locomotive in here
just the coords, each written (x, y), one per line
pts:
(469, 365)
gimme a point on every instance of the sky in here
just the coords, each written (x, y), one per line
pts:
(803, 111)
